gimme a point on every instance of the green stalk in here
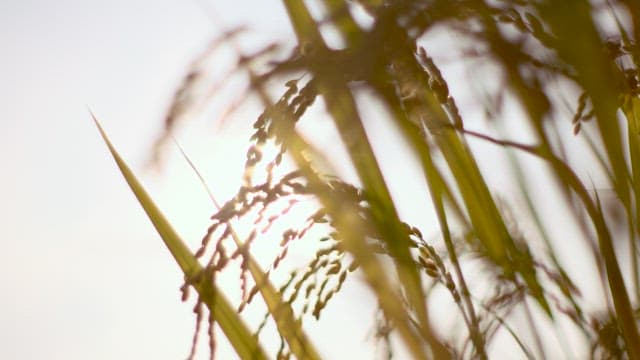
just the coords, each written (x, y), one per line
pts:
(436, 188)
(621, 301)
(341, 106)
(632, 113)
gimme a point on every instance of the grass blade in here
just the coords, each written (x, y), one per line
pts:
(234, 328)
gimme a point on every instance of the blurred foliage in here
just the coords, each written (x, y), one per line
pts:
(555, 81)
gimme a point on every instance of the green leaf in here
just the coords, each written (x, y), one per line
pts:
(234, 328)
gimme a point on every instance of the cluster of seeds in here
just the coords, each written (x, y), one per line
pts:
(512, 35)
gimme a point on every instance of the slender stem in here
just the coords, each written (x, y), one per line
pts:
(621, 300)
(534, 330)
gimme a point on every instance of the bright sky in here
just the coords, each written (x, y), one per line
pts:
(83, 273)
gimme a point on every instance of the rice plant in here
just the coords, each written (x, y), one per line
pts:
(511, 110)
